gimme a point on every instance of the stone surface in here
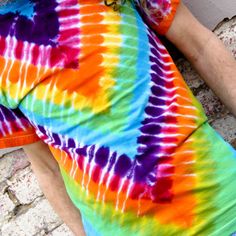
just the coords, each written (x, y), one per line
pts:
(6, 208)
(7, 150)
(226, 31)
(24, 186)
(233, 143)
(11, 163)
(213, 107)
(3, 186)
(227, 123)
(11, 229)
(40, 217)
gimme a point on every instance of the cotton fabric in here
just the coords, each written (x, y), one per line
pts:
(133, 144)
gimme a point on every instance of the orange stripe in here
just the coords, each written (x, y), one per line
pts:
(18, 74)
(93, 8)
(19, 138)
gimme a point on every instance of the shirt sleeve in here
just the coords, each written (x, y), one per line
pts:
(15, 129)
(158, 14)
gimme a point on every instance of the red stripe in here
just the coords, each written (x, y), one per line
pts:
(68, 12)
(68, 34)
(2, 46)
(19, 50)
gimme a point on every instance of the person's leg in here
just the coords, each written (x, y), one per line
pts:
(50, 180)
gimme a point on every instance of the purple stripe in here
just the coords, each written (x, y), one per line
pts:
(42, 29)
(6, 114)
(149, 146)
(157, 101)
(101, 156)
(123, 165)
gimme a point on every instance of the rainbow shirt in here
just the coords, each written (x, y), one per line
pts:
(133, 144)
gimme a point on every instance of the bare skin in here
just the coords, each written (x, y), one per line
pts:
(212, 61)
(207, 54)
(49, 177)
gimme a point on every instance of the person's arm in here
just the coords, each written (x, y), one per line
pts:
(206, 53)
(50, 180)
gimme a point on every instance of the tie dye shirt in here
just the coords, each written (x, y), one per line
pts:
(134, 147)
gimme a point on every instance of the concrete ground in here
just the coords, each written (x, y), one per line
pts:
(24, 211)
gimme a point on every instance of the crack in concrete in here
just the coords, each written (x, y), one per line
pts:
(11, 195)
(23, 208)
(54, 228)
